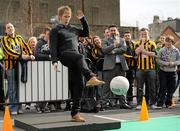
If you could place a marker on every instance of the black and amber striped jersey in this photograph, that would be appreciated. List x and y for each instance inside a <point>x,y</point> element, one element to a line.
<point>130,55</point>
<point>13,49</point>
<point>145,62</point>
<point>97,53</point>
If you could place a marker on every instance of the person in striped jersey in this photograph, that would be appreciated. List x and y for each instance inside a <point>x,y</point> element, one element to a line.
<point>145,51</point>
<point>131,60</point>
<point>15,49</point>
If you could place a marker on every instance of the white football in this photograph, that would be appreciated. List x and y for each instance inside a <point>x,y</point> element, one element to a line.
<point>119,85</point>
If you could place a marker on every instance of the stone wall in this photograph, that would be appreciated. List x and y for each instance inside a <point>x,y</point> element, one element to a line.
<point>30,16</point>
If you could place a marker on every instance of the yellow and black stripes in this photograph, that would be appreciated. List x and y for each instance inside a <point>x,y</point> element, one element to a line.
<point>146,62</point>
<point>7,44</point>
<point>13,48</point>
<point>130,55</point>
<point>97,53</point>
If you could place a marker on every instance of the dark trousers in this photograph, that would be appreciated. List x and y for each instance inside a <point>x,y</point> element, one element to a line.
<point>149,77</point>
<point>76,61</point>
<point>78,68</point>
<point>167,87</point>
<point>130,76</point>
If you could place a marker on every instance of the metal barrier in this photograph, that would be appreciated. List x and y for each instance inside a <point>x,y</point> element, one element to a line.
<point>43,83</point>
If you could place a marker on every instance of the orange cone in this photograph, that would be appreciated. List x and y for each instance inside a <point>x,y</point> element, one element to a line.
<point>173,103</point>
<point>7,123</point>
<point>144,112</point>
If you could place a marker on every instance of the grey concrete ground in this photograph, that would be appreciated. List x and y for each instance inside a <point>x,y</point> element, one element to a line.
<point>115,114</point>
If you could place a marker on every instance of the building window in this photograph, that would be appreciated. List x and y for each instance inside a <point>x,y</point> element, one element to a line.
<point>95,15</point>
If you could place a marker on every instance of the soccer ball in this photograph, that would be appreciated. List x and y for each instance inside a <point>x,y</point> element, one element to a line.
<point>119,85</point>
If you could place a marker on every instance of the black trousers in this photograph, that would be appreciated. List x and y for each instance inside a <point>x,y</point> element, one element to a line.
<point>167,87</point>
<point>130,76</point>
<point>78,68</point>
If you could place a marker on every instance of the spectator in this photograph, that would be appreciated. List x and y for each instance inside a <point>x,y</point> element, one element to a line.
<point>15,49</point>
<point>42,51</point>
<point>114,65</point>
<point>168,59</point>
<point>131,61</point>
<point>106,34</point>
<point>32,42</point>
<point>145,50</point>
<point>97,52</point>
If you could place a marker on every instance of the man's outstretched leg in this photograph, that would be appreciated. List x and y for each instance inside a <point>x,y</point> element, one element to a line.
<point>72,59</point>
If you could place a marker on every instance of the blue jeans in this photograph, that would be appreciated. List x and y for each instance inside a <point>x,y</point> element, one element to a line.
<point>12,78</point>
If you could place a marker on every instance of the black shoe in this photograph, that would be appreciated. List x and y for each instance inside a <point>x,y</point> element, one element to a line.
<point>126,106</point>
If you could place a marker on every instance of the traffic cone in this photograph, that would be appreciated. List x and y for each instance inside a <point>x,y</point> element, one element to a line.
<point>7,123</point>
<point>144,112</point>
<point>173,103</point>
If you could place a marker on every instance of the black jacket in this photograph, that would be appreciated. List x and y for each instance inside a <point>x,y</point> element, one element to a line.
<point>39,54</point>
<point>65,38</point>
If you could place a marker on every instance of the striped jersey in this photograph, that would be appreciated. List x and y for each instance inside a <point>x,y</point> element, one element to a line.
<point>145,62</point>
<point>130,55</point>
<point>13,49</point>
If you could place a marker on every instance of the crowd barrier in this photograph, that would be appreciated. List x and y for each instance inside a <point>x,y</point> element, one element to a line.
<point>43,83</point>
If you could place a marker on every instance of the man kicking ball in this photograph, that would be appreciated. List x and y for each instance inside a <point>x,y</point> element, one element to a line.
<point>64,47</point>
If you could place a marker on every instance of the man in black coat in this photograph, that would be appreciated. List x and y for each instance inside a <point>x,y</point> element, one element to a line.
<point>64,47</point>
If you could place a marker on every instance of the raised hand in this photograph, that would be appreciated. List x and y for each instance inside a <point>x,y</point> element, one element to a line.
<point>80,14</point>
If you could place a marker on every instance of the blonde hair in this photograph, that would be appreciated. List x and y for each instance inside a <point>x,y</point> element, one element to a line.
<point>62,9</point>
<point>32,38</point>
<point>29,44</point>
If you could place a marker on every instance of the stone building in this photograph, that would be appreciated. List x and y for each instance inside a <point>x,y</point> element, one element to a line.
<point>30,16</point>
<point>158,26</point>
